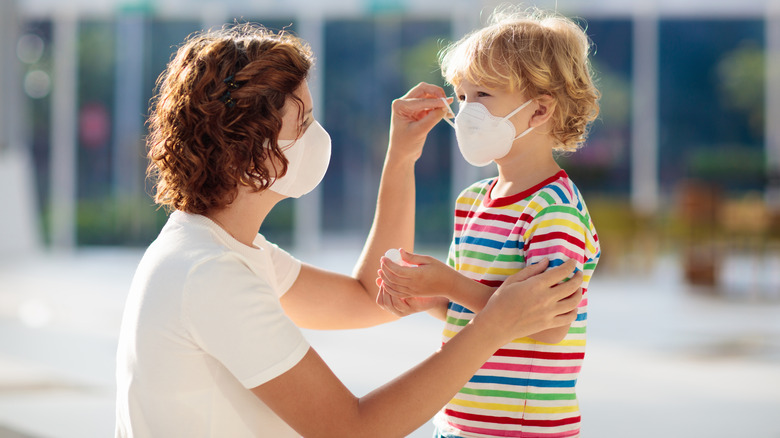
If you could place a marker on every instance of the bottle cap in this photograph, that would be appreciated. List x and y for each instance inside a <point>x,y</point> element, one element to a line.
<point>394,255</point>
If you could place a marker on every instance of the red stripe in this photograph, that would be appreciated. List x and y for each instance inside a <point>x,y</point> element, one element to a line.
<point>549,355</point>
<point>556,235</point>
<point>487,216</point>
<point>510,420</point>
<point>553,423</point>
<point>492,283</point>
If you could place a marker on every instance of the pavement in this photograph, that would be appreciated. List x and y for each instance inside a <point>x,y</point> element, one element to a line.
<point>663,359</point>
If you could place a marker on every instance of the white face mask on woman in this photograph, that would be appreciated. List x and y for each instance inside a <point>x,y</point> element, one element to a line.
<point>483,137</point>
<point>308,158</point>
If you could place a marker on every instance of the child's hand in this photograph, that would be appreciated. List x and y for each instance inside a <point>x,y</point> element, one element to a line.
<point>429,277</point>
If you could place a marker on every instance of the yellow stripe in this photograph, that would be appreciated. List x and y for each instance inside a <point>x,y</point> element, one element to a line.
<point>574,226</point>
<point>535,205</point>
<point>472,268</point>
<point>529,341</point>
<point>514,408</point>
<point>501,271</point>
<point>465,200</point>
<point>564,343</point>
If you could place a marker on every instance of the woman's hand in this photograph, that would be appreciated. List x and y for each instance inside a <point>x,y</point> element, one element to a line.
<point>406,306</point>
<point>413,116</point>
<point>522,307</point>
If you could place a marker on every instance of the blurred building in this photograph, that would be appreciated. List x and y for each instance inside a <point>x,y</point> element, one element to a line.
<point>691,93</point>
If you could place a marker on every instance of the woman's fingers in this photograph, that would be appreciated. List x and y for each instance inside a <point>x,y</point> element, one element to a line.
<point>565,290</point>
<point>424,89</point>
<point>558,274</point>
<point>568,308</point>
<point>424,110</point>
<point>396,306</point>
<point>528,271</point>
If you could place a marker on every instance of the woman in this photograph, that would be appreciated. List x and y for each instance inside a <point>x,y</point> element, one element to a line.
<point>210,342</point>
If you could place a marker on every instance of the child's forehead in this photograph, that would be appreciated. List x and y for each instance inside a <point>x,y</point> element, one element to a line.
<point>482,83</point>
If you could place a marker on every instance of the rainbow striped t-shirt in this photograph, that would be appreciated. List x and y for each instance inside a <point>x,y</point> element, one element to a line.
<point>527,389</point>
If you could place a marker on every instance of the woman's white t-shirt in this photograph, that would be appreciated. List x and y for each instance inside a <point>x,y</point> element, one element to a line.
<point>202,324</point>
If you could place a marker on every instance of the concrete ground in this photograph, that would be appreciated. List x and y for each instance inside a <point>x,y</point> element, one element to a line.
<point>663,360</point>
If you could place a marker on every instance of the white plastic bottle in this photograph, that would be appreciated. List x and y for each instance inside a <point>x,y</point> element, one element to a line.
<point>395,255</point>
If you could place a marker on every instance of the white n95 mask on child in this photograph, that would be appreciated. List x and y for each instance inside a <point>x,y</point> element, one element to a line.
<point>307,160</point>
<point>483,137</point>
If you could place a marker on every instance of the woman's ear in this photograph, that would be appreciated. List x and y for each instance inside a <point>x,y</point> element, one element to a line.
<point>544,111</point>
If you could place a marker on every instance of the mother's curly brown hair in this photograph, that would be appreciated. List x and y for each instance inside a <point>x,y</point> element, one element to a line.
<point>203,146</point>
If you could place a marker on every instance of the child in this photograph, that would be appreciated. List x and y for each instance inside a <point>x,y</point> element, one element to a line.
<point>525,90</point>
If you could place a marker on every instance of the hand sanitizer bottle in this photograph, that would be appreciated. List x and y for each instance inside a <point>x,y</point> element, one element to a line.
<point>395,255</point>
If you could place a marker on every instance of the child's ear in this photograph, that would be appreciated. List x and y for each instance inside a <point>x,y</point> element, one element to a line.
<point>544,110</point>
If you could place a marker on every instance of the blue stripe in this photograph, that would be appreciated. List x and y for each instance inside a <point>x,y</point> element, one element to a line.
<point>555,262</point>
<point>514,244</point>
<point>455,307</point>
<point>558,191</point>
<point>582,316</point>
<point>482,242</point>
<point>498,380</point>
<point>578,196</point>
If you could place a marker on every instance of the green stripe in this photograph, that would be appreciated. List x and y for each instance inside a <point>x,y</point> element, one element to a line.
<point>485,257</point>
<point>579,330</point>
<point>456,321</point>
<point>477,189</point>
<point>546,196</point>
<point>476,255</point>
<point>516,395</point>
<point>567,209</point>
<point>511,258</point>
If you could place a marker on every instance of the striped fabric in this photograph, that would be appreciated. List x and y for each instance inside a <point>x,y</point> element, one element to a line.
<point>527,389</point>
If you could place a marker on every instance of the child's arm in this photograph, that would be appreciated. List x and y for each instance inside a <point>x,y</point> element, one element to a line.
<point>559,233</point>
<point>430,278</point>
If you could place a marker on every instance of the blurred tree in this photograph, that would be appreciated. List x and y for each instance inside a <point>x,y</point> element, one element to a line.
<point>419,63</point>
<point>742,74</point>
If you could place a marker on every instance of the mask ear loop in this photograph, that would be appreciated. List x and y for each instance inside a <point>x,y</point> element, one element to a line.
<point>446,118</point>
<point>530,128</point>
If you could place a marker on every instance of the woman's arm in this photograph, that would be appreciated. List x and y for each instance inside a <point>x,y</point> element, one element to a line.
<point>413,116</point>
<point>311,399</point>
<point>325,300</point>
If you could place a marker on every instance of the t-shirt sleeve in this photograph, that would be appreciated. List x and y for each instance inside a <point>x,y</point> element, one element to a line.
<point>560,233</point>
<point>287,268</point>
<point>236,317</point>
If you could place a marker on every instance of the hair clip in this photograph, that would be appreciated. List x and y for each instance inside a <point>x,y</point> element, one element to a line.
<point>227,100</point>
<point>231,83</point>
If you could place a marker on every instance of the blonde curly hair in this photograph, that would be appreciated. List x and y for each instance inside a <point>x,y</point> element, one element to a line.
<point>538,53</point>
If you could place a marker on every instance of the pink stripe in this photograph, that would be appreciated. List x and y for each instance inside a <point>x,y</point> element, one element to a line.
<point>557,249</point>
<point>483,228</point>
<point>584,301</point>
<point>517,433</point>
<point>529,368</point>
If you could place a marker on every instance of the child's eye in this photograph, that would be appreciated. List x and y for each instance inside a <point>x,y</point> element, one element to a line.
<point>461,97</point>
<point>482,94</point>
